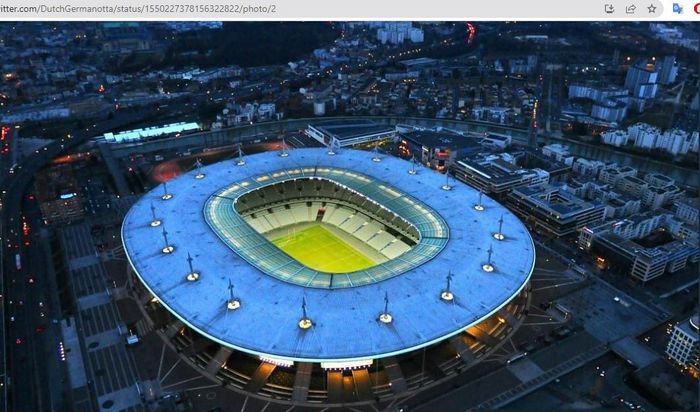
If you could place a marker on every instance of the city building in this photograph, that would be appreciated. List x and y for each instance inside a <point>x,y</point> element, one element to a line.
<point>658,180</point>
<point>552,210</point>
<point>683,347</point>
<point>35,114</point>
<point>587,168</point>
<point>610,110</point>
<point>399,31</point>
<point>349,132</point>
<point>558,152</point>
<point>643,135</point>
<point>609,103</point>
<point>437,149</point>
<point>620,242</point>
<point>58,195</point>
<point>674,141</point>
<point>615,138</point>
<point>632,186</point>
<point>641,80</point>
<point>621,206</point>
<point>668,69</point>
<point>496,174</point>
<point>235,114</point>
<point>154,132</point>
<point>658,197</point>
<point>686,209</point>
<point>613,173</point>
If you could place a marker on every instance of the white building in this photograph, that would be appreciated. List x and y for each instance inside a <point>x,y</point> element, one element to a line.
<point>612,174</point>
<point>319,108</point>
<point>632,186</point>
<point>396,32</point>
<point>614,137</point>
<point>587,167</point>
<point>36,115</point>
<point>674,141</point>
<point>658,180</point>
<point>558,152</point>
<point>416,35</point>
<point>683,347</point>
<point>643,135</point>
<point>686,209</point>
<point>657,197</point>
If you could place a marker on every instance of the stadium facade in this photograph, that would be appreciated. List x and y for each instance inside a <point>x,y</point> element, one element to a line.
<point>314,277</point>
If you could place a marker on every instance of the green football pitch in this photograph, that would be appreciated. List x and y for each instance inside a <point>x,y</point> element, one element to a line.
<point>318,248</point>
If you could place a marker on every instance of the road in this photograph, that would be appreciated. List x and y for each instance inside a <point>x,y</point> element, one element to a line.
<point>25,387</point>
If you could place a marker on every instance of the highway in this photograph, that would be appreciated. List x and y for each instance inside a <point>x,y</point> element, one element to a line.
<point>28,352</point>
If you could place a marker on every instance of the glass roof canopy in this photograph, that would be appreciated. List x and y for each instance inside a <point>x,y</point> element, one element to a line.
<point>253,247</point>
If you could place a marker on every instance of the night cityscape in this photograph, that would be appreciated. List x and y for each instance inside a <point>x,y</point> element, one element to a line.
<point>349,216</point>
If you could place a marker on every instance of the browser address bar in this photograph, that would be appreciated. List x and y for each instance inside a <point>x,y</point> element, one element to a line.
<point>344,10</point>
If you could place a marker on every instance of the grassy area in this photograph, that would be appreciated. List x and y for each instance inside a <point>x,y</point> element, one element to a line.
<point>319,249</point>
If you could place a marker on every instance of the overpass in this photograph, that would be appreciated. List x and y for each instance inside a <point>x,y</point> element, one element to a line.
<point>224,137</point>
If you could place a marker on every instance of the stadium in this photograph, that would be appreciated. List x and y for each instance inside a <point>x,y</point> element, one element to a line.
<point>318,277</point>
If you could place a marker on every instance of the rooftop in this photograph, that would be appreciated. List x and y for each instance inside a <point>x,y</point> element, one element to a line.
<point>435,139</point>
<point>345,325</point>
<point>350,129</point>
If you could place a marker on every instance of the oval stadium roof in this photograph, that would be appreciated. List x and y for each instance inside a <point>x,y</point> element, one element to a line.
<point>345,320</point>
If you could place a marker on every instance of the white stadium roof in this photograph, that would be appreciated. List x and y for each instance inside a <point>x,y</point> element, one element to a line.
<point>345,319</point>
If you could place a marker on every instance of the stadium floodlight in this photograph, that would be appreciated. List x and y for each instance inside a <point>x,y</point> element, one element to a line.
<point>198,165</point>
<point>385,317</point>
<point>412,170</point>
<point>447,294</point>
<point>479,206</point>
<point>488,266</point>
<point>375,157</point>
<point>305,322</point>
<point>284,151</point>
<point>166,195</point>
<point>192,275</point>
<point>240,161</point>
<point>167,248</point>
<point>499,235</point>
<point>233,303</point>
<point>155,222</point>
<point>446,186</point>
<point>333,147</point>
